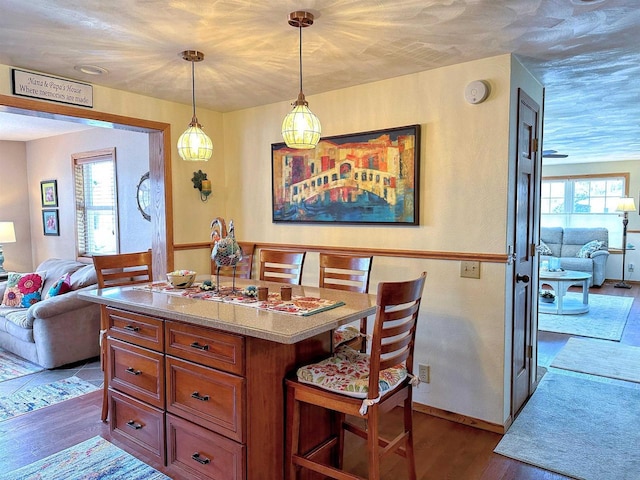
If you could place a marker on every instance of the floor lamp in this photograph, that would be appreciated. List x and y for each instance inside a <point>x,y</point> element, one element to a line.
<point>625,205</point>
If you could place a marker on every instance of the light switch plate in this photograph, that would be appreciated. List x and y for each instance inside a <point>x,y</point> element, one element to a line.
<point>470,269</point>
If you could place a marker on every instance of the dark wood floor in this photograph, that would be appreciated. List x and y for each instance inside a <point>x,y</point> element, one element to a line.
<point>445,450</point>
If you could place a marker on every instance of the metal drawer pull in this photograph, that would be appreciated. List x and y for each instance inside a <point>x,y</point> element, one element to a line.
<point>131,328</point>
<point>203,460</point>
<point>200,347</point>
<point>134,425</point>
<point>132,371</point>
<point>202,398</point>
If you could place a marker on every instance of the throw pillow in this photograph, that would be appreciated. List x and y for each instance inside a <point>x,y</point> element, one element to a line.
<point>63,285</point>
<point>588,248</point>
<point>23,289</point>
<point>544,249</point>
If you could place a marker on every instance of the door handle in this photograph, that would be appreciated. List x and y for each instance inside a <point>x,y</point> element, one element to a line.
<point>522,278</point>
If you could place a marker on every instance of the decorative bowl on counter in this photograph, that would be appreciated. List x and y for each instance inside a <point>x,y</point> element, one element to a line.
<point>181,278</point>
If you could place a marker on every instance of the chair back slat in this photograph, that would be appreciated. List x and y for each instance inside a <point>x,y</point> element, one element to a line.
<point>123,269</point>
<point>243,268</point>
<point>345,272</point>
<point>397,302</point>
<point>281,266</point>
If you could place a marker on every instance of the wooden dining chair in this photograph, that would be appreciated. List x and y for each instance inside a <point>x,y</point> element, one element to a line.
<point>115,271</point>
<point>243,267</point>
<point>281,266</point>
<point>363,387</point>
<point>350,273</point>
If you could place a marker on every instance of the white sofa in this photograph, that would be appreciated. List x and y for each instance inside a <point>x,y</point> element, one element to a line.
<point>565,243</point>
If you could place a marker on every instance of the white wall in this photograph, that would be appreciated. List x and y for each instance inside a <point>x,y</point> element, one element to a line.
<point>14,205</point>
<point>50,159</point>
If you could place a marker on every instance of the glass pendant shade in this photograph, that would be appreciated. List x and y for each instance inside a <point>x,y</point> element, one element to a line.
<point>194,145</point>
<point>301,128</point>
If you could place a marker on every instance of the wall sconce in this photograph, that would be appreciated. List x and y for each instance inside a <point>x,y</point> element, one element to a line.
<point>201,183</point>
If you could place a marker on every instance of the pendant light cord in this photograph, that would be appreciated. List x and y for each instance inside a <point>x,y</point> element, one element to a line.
<point>193,87</point>
<point>300,28</point>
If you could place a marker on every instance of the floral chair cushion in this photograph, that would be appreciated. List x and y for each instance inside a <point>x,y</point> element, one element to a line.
<point>347,373</point>
<point>23,289</point>
<point>344,334</point>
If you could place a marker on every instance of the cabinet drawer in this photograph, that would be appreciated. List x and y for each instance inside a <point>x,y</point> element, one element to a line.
<point>138,424</point>
<point>209,347</point>
<point>199,452</point>
<point>138,329</point>
<point>137,371</point>
<point>207,397</point>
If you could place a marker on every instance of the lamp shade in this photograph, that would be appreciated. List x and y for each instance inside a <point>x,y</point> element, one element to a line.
<point>194,145</point>
<point>301,128</point>
<point>626,204</point>
<point>7,232</point>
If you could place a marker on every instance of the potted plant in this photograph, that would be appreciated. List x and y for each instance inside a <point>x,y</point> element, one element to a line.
<point>547,296</point>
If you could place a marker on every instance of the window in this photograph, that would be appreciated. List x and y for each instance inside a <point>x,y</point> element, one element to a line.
<point>96,202</point>
<point>584,201</point>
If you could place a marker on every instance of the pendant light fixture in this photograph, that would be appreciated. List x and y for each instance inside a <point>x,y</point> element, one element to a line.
<point>193,144</point>
<point>301,128</point>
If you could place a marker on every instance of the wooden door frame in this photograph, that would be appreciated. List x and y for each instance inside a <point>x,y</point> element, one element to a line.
<point>159,162</point>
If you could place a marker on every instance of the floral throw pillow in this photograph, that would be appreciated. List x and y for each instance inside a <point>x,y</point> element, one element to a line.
<point>23,289</point>
<point>588,248</point>
<point>63,285</point>
<point>544,249</point>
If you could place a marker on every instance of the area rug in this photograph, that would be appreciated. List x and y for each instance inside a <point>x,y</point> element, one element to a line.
<point>12,366</point>
<point>30,399</point>
<point>600,357</point>
<point>605,319</point>
<point>580,428</point>
<point>94,459</point>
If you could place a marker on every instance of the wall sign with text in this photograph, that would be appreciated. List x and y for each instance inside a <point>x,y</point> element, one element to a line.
<point>46,87</point>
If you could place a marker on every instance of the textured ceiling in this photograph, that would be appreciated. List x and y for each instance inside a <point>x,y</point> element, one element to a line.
<point>585,52</point>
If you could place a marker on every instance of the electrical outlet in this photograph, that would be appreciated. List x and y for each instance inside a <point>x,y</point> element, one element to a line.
<point>631,267</point>
<point>424,373</point>
<point>470,269</point>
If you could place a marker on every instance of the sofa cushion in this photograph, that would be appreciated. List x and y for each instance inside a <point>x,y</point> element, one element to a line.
<point>56,268</point>
<point>22,334</point>
<point>544,249</point>
<point>588,248</point>
<point>23,289</point>
<point>553,236</point>
<point>62,286</point>
<point>84,277</point>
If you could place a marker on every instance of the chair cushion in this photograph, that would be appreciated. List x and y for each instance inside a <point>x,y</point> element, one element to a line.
<point>344,334</point>
<point>347,373</point>
<point>23,289</point>
<point>589,247</point>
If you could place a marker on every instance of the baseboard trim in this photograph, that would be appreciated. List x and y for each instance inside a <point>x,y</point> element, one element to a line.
<point>458,418</point>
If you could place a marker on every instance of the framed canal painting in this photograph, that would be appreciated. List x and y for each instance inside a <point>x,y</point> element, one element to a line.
<point>361,178</point>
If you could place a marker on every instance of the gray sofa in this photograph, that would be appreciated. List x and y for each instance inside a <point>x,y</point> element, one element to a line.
<point>59,330</point>
<point>565,243</point>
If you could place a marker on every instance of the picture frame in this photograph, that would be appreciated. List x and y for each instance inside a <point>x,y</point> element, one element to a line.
<point>51,222</point>
<point>361,178</point>
<point>49,193</point>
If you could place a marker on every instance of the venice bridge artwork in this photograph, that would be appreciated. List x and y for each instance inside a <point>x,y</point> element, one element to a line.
<point>366,178</point>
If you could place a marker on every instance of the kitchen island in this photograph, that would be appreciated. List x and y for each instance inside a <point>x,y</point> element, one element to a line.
<point>197,384</point>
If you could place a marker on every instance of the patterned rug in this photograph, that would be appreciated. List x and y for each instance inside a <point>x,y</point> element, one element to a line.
<point>600,357</point>
<point>605,319</point>
<point>578,427</point>
<point>12,366</point>
<point>94,459</point>
<point>30,399</point>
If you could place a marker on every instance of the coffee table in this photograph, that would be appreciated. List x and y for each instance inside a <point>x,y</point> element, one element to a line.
<point>560,282</point>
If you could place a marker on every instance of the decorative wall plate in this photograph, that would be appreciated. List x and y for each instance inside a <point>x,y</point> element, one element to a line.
<point>144,196</point>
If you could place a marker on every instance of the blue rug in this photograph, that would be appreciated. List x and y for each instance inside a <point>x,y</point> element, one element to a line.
<point>30,399</point>
<point>582,428</point>
<point>93,459</point>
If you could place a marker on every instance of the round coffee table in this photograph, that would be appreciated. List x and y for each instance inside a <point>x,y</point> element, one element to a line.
<point>560,282</point>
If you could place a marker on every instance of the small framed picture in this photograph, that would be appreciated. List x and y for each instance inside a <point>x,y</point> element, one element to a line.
<point>49,193</point>
<point>50,223</point>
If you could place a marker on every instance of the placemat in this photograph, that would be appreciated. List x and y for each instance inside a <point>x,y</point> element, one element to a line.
<point>298,305</point>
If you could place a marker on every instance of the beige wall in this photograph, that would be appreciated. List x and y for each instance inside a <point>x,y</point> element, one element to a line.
<point>13,207</point>
<point>464,197</point>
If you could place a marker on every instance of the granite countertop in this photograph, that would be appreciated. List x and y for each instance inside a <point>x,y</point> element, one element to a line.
<point>244,320</point>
